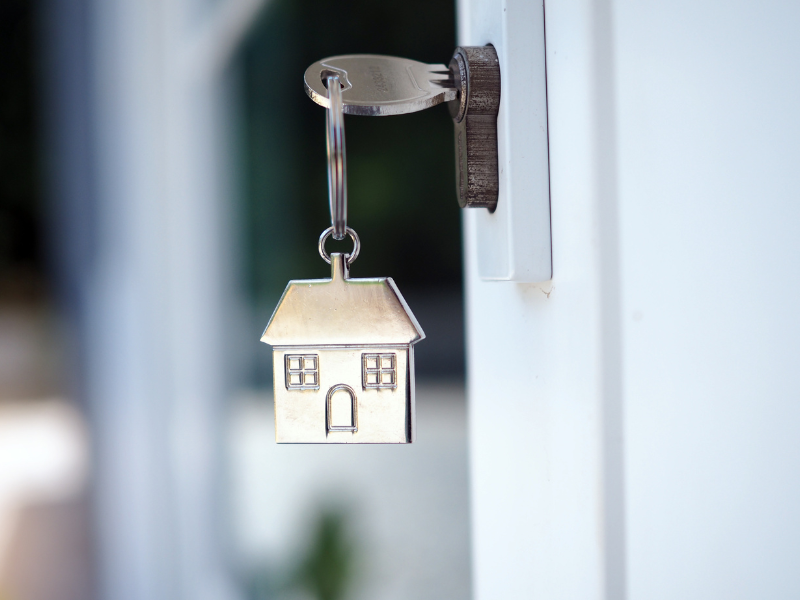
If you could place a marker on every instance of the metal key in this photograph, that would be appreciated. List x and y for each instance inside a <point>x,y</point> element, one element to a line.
<point>375,85</point>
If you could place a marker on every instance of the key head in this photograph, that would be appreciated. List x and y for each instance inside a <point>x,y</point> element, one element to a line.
<point>377,85</point>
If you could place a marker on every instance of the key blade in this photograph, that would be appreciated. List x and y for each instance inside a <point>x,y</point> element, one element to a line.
<point>376,85</point>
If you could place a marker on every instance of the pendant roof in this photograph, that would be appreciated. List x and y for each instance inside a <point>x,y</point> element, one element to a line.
<point>321,312</point>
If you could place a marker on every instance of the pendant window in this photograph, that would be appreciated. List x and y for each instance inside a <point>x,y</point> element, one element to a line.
<point>302,372</point>
<point>379,371</point>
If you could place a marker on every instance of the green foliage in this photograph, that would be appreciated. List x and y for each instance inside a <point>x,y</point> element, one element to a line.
<point>327,571</point>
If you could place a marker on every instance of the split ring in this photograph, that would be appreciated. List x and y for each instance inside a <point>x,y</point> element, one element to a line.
<point>337,163</point>
<point>349,258</point>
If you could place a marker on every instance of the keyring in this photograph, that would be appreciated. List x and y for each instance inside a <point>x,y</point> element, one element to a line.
<point>349,258</point>
<point>337,164</point>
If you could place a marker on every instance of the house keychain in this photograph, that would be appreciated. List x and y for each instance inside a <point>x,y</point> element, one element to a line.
<point>342,349</point>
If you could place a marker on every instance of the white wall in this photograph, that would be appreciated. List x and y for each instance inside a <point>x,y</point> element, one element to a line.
<point>635,421</point>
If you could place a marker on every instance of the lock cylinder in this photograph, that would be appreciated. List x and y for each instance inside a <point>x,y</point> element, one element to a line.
<point>475,71</point>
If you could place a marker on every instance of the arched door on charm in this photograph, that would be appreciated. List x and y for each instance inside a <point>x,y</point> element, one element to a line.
<point>341,408</point>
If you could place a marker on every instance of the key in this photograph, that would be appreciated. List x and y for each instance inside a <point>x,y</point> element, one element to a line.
<point>376,85</point>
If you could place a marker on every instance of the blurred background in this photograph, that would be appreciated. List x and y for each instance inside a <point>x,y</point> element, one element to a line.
<point>162,176</point>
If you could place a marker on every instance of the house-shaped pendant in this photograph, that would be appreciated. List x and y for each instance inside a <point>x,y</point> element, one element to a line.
<point>343,361</point>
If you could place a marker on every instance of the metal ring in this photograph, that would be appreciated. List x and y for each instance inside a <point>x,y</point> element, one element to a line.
<point>348,257</point>
<point>337,163</point>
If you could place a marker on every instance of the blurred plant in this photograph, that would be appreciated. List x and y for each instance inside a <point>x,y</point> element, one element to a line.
<point>327,570</point>
<point>324,571</point>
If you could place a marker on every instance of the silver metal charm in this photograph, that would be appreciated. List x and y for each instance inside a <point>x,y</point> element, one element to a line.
<point>343,358</point>
<point>342,349</point>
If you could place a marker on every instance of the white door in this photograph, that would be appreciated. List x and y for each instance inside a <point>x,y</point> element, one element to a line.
<point>635,421</point>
